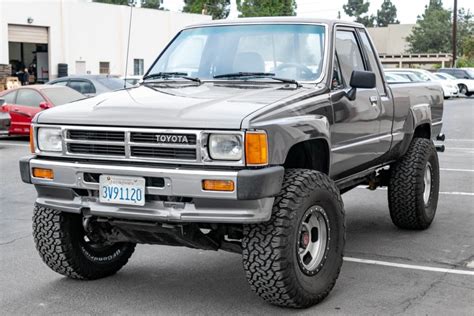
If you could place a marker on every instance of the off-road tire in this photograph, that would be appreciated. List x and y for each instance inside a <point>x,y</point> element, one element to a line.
<point>59,239</point>
<point>270,252</point>
<point>406,186</point>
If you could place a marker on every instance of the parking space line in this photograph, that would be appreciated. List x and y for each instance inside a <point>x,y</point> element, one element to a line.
<point>456,170</point>
<point>446,193</point>
<point>14,144</point>
<point>408,266</point>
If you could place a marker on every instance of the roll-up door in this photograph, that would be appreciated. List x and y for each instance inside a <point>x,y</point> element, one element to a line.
<point>27,34</point>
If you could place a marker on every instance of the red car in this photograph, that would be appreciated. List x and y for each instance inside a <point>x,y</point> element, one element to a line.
<point>24,102</point>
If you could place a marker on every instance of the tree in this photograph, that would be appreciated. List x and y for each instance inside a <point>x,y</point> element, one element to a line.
<point>121,2</point>
<point>149,4</point>
<point>219,9</point>
<point>253,8</point>
<point>387,14</point>
<point>152,4</point>
<point>432,32</point>
<point>356,9</point>
<point>465,36</point>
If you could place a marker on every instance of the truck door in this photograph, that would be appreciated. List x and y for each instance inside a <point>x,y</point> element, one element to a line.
<point>356,134</point>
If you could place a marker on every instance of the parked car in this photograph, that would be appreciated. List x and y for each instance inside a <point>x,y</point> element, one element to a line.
<point>410,77</point>
<point>91,85</point>
<point>450,89</point>
<point>247,151</point>
<point>133,80</point>
<point>24,102</point>
<point>395,78</point>
<point>5,121</point>
<point>466,86</point>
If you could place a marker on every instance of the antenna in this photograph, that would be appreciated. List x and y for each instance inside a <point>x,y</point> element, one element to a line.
<point>131,3</point>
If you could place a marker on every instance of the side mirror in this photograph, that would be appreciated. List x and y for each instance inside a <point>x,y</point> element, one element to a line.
<point>361,80</point>
<point>2,102</point>
<point>45,105</point>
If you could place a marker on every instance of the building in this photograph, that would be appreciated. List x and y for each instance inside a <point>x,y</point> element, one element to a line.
<point>91,38</point>
<point>392,47</point>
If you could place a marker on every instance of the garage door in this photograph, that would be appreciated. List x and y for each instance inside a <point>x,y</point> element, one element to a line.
<point>27,34</point>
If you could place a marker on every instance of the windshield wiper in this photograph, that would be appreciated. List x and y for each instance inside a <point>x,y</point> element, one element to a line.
<point>257,75</point>
<point>168,75</point>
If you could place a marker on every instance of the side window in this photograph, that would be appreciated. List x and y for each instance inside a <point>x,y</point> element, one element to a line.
<point>9,97</point>
<point>348,53</point>
<point>29,97</point>
<point>82,86</point>
<point>459,74</point>
<point>374,67</point>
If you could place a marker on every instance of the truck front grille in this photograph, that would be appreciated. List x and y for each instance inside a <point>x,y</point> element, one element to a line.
<point>110,136</point>
<point>162,152</point>
<point>133,144</point>
<point>96,149</point>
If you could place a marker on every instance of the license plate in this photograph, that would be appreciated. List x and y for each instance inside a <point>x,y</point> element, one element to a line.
<point>122,190</point>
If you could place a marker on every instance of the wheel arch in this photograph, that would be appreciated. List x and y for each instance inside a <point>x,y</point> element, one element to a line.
<point>311,154</point>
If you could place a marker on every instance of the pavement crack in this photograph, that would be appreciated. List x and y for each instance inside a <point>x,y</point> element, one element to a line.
<point>13,240</point>
<point>409,302</point>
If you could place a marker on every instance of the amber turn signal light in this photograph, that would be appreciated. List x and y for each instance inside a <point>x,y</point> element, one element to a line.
<point>256,148</point>
<point>43,173</point>
<point>218,185</point>
<point>32,140</point>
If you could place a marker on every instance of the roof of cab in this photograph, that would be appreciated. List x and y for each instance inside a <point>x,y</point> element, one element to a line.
<point>269,20</point>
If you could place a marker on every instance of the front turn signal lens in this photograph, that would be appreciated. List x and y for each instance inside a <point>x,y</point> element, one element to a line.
<point>256,148</point>
<point>43,173</point>
<point>32,140</point>
<point>218,185</point>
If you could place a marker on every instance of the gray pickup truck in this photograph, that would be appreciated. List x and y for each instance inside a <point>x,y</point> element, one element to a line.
<point>242,137</point>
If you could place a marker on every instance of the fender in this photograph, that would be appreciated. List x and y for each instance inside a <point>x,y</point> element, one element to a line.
<point>284,133</point>
<point>417,115</point>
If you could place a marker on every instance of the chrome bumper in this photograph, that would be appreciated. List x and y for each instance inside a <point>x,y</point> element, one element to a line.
<point>250,202</point>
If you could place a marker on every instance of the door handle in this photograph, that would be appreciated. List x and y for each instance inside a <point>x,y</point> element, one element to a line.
<point>374,100</point>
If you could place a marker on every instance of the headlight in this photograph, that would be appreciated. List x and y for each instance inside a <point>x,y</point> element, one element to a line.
<point>49,139</point>
<point>225,147</point>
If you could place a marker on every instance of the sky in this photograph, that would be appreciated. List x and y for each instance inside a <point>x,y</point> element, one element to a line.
<point>407,10</point>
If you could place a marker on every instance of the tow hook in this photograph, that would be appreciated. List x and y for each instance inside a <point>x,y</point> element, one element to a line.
<point>440,148</point>
<point>441,137</point>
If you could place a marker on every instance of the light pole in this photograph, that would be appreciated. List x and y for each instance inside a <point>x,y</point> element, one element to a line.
<point>455,27</point>
<point>131,3</point>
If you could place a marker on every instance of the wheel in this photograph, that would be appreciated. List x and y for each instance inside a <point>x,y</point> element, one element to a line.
<point>294,259</point>
<point>463,89</point>
<point>64,247</point>
<point>414,186</point>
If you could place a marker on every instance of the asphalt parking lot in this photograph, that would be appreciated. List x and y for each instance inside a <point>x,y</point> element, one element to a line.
<point>386,271</point>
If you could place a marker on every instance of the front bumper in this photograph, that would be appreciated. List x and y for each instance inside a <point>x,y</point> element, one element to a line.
<point>250,202</point>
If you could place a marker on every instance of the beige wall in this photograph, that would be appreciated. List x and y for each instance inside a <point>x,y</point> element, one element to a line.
<point>391,39</point>
<point>94,32</point>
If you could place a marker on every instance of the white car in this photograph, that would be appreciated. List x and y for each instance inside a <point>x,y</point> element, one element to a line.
<point>466,86</point>
<point>395,78</point>
<point>450,89</point>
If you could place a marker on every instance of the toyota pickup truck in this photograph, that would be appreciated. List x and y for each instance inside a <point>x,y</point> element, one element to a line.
<point>242,137</point>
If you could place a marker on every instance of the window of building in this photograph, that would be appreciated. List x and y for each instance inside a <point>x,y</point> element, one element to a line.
<point>104,68</point>
<point>138,67</point>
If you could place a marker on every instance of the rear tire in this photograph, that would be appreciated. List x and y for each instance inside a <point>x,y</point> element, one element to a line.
<point>307,218</point>
<point>62,244</point>
<point>414,186</point>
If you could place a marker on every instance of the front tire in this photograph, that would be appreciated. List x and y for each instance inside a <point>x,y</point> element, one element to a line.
<point>294,259</point>
<point>414,186</point>
<point>463,90</point>
<point>64,247</point>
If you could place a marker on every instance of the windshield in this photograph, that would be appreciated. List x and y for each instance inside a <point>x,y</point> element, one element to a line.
<point>113,83</point>
<point>286,51</point>
<point>62,95</point>
<point>470,72</point>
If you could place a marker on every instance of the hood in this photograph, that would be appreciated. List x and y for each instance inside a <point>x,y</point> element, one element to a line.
<point>210,105</point>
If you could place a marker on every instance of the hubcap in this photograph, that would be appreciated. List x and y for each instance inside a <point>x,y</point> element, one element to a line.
<point>313,240</point>
<point>427,184</point>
